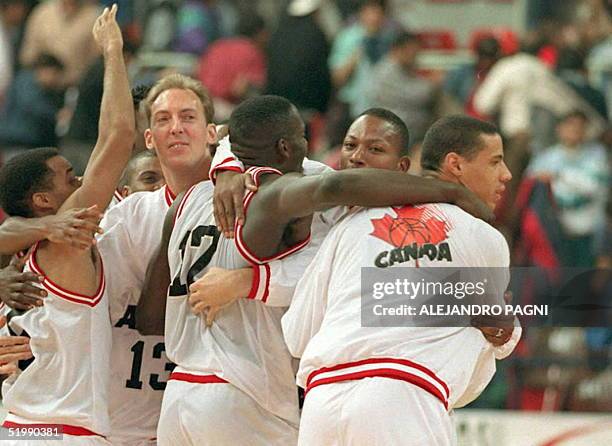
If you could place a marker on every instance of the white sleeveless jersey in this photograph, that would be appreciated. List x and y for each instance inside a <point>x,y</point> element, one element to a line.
<point>67,382</point>
<point>323,324</point>
<point>244,346</point>
<point>139,366</point>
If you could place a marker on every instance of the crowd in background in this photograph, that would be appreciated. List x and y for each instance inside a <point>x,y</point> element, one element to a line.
<point>549,89</point>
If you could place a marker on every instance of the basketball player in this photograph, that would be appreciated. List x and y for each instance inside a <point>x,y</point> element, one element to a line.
<point>404,381</point>
<point>377,139</point>
<point>180,113</point>
<point>237,373</point>
<point>142,174</point>
<point>73,350</point>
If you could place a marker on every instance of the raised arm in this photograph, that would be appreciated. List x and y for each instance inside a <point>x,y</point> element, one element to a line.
<point>151,308</point>
<point>116,126</point>
<point>74,227</point>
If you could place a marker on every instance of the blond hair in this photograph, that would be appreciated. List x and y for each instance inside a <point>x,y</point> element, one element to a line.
<point>180,82</point>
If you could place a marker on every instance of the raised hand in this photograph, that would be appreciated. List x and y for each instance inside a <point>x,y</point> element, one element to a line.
<point>106,31</point>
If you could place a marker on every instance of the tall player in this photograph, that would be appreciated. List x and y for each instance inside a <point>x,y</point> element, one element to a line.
<point>70,334</point>
<point>403,380</point>
<point>237,373</point>
<point>179,113</point>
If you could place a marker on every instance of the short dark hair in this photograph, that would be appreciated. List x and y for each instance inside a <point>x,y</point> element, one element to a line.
<point>260,121</point>
<point>396,122</point>
<point>22,176</point>
<point>364,3</point>
<point>46,60</point>
<point>404,37</point>
<point>574,114</point>
<point>458,133</point>
<point>249,24</point>
<point>129,169</point>
<point>139,94</point>
<point>488,47</point>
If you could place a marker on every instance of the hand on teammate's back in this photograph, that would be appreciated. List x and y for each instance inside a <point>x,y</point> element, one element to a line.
<point>12,349</point>
<point>106,31</point>
<point>76,227</point>
<point>470,203</point>
<point>228,197</point>
<point>18,290</point>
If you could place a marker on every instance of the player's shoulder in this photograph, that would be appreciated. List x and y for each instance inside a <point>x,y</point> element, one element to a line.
<point>466,222</point>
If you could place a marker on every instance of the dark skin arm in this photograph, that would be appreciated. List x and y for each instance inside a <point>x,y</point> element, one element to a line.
<point>17,289</point>
<point>73,227</point>
<point>151,308</point>
<point>283,199</point>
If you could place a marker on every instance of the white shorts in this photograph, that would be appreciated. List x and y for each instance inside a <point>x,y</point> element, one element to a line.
<point>374,411</point>
<point>218,414</point>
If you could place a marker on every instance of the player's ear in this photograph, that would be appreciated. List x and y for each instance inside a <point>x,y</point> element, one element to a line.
<point>453,164</point>
<point>148,136</point>
<point>404,164</point>
<point>125,191</point>
<point>42,201</point>
<point>211,134</point>
<point>282,147</point>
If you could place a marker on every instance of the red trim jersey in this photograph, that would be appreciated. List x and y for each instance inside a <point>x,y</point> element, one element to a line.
<point>323,325</point>
<point>244,346</point>
<point>139,366</point>
<point>67,382</point>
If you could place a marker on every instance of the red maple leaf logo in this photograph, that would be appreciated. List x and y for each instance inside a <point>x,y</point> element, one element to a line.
<point>411,225</point>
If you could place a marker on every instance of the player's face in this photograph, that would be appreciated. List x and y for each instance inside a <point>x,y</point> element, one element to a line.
<point>178,131</point>
<point>372,142</point>
<point>146,176</point>
<point>63,182</point>
<point>486,173</point>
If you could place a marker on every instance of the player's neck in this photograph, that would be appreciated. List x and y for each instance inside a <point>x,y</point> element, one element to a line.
<point>178,182</point>
<point>440,175</point>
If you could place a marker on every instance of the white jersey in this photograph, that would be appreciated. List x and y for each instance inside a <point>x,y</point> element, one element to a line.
<point>244,346</point>
<point>139,366</point>
<point>67,382</point>
<point>323,324</point>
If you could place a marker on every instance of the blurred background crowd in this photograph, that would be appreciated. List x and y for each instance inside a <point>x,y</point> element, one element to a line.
<point>546,80</point>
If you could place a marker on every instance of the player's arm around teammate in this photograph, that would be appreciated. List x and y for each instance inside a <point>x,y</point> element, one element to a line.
<point>73,227</point>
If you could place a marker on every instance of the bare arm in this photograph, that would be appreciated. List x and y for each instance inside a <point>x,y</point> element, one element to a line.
<point>74,227</point>
<point>116,125</point>
<point>151,308</point>
<point>290,197</point>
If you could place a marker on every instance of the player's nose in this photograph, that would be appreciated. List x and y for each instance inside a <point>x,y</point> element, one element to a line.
<point>506,175</point>
<point>357,158</point>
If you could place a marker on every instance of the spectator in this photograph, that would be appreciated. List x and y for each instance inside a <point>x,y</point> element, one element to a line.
<point>34,98</point>
<point>62,28</point>
<point>571,68</point>
<point>462,82</point>
<point>235,68</point>
<point>12,16</point>
<point>297,59</point>
<point>355,51</point>
<point>580,180</point>
<point>395,85</point>
<point>198,25</point>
